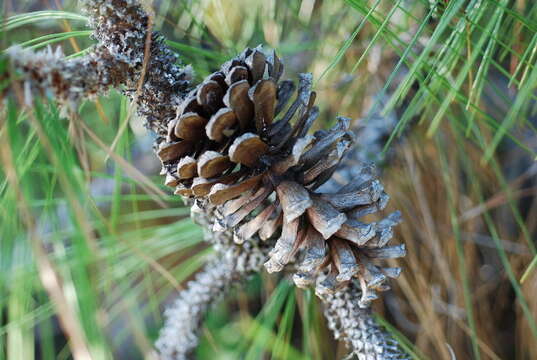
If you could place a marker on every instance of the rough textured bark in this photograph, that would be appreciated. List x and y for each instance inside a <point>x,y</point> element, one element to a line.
<point>357,327</point>
<point>184,318</point>
<point>128,55</point>
<point>229,267</point>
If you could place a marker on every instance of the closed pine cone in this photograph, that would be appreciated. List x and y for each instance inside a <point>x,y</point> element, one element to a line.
<point>238,147</point>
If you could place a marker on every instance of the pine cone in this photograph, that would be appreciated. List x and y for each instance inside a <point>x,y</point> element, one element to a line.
<point>226,150</point>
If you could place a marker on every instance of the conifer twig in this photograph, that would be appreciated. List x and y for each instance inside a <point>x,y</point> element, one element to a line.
<point>184,318</point>
<point>228,267</point>
<point>357,327</point>
<point>130,56</point>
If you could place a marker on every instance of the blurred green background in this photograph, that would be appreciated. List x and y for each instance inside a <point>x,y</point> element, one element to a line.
<point>89,235</point>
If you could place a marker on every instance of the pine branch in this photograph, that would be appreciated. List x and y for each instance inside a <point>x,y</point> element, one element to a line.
<point>357,327</point>
<point>281,171</point>
<point>68,81</point>
<point>184,318</point>
<point>229,267</point>
<point>128,55</point>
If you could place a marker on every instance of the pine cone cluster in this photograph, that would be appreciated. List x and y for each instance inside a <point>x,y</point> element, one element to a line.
<point>240,145</point>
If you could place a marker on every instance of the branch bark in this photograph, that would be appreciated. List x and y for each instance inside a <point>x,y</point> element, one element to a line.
<point>357,327</point>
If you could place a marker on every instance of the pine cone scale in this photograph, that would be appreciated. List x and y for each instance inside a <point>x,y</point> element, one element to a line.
<point>220,194</point>
<point>263,96</point>
<point>238,100</point>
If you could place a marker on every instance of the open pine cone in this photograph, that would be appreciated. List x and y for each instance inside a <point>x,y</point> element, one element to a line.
<point>238,147</point>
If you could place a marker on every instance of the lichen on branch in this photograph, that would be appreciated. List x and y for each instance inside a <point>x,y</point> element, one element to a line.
<point>128,55</point>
